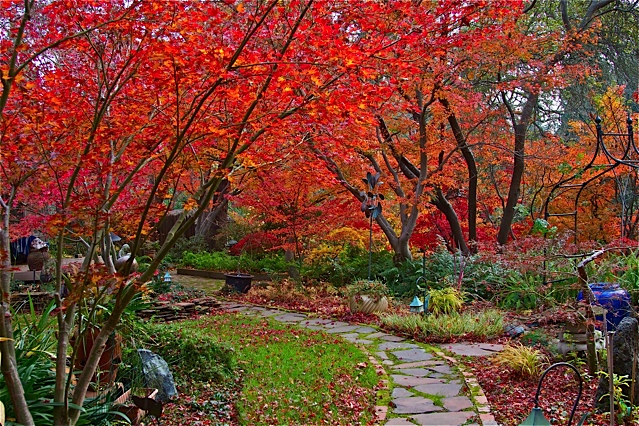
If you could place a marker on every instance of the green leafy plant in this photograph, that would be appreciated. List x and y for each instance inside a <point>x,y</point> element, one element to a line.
<point>371,288</point>
<point>526,361</point>
<point>630,277</point>
<point>35,340</point>
<point>445,301</point>
<point>521,291</point>
<point>623,407</point>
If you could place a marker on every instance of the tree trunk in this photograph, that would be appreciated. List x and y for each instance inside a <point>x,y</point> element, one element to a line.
<point>209,223</point>
<point>451,216</point>
<point>471,166</point>
<point>9,364</point>
<point>518,167</point>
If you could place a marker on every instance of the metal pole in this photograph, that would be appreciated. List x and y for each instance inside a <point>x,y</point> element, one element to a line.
<point>370,247</point>
<point>611,374</point>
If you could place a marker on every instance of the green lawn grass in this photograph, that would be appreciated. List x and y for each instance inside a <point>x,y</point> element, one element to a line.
<point>291,375</point>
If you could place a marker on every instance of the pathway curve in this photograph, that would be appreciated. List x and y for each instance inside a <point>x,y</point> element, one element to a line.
<point>429,387</point>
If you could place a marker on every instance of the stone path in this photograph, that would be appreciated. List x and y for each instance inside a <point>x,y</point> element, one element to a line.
<point>428,387</point>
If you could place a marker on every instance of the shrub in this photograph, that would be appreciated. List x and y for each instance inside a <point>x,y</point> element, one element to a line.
<point>196,353</point>
<point>478,280</point>
<point>524,360</point>
<point>445,301</point>
<point>350,264</point>
<point>222,261</point>
<point>194,244</point>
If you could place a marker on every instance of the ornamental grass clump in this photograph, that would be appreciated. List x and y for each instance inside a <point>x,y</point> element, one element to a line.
<point>445,301</point>
<point>524,360</point>
<point>446,327</point>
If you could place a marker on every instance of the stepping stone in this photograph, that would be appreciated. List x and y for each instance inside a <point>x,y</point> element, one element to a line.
<point>290,318</point>
<point>316,321</point>
<point>381,355</point>
<point>474,349</point>
<point>412,381</point>
<point>444,419</point>
<point>414,405</point>
<point>396,345</point>
<point>377,335</point>
<point>399,421</point>
<point>388,362</point>
<point>342,329</point>
<point>313,327</point>
<point>358,341</point>
<point>444,369</point>
<point>401,393</point>
<point>417,372</point>
<point>334,324</point>
<point>444,389</point>
<point>419,364</point>
<point>365,329</point>
<point>270,313</point>
<point>457,403</point>
<point>391,338</point>
<point>413,355</point>
<point>350,336</point>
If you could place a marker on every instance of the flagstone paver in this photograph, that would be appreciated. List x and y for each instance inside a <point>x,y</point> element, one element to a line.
<point>401,393</point>
<point>414,405</point>
<point>444,419</point>
<point>342,329</point>
<point>399,421</point>
<point>413,355</point>
<point>417,372</point>
<point>396,345</point>
<point>391,338</point>
<point>290,317</point>
<point>441,389</point>
<point>473,349</point>
<point>412,381</point>
<point>457,403</point>
<point>417,377</point>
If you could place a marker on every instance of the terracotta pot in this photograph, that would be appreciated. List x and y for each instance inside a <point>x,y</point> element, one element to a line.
<point>129,409</point>
<point>109,362</point>
<point>368,304</point>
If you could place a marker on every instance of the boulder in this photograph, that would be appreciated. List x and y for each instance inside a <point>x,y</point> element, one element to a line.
<point>157,375</point>
<point>625,348</point>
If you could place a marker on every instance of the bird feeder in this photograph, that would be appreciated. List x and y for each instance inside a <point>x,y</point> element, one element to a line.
<point>416,306</point>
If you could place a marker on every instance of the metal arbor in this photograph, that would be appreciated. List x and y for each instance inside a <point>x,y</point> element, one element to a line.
<point>622,152</point>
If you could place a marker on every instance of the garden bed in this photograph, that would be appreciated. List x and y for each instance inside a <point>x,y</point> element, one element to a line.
<point>220,275</point>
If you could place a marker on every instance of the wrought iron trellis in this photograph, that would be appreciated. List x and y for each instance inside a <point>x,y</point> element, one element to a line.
<point>625,154</point>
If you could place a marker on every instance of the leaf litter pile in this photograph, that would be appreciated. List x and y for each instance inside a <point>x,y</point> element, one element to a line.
<point>511,396</point>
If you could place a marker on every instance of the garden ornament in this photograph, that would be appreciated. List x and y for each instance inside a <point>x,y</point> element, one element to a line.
<point>423,306</point>
<point>167,277</point>
<point>536,417</point>
<point>38,244</point>
<point>416,305</point>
